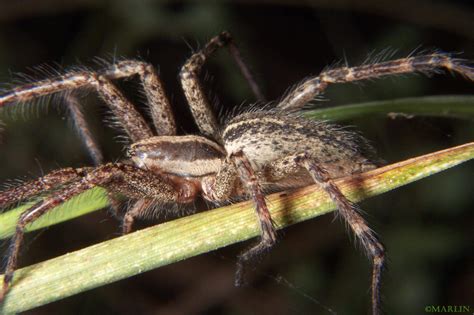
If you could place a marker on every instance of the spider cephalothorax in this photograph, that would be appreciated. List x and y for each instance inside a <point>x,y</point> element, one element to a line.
<point>262,150</point>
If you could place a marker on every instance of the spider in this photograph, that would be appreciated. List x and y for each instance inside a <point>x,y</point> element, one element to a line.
<point>265,149</point>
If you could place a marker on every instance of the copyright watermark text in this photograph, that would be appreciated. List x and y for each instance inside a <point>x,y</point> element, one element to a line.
<point>448,309</point>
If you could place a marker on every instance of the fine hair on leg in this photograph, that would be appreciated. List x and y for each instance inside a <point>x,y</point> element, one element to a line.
<point>348,211</point>
<point>306,91</point>
<point>120,178</point>
<point>268,233</point>
<point>193,89</point>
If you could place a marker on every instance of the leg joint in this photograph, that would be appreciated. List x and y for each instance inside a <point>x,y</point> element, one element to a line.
<point>225,38</point>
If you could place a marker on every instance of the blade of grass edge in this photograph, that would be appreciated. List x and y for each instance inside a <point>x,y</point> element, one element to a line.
<point>176,240</point>
<point>454,106</point>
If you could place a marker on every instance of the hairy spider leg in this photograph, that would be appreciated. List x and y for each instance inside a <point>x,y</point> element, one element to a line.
<point>367,237</point>
<point>158,102</point>
<point>138,208</point>
<point>75,109</point>
<point>235,53</point>
<point>306,91</point>
<point>234,169</point>
<point>267,230</point>
<point>160,107</point>
<point>128,116</point>
<point>193,90</point>
<point>43,184</point>
<point>123,178</point>
<point>372,246</point>
<point>222,186</point>
<point>132,122</point>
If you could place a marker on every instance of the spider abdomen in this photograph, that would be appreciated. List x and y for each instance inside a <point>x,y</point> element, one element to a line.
<point>267,137</point>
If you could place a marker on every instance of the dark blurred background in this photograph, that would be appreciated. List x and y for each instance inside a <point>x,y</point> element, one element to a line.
<point>426,226</point>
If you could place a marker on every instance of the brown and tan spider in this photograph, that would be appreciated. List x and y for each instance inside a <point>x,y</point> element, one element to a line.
<point>255,152</point>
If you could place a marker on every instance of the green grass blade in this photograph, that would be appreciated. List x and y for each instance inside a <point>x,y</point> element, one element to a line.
<point>192,235</point>
<point>456,106</point>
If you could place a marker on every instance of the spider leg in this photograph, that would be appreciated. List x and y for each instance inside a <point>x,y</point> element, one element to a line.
<point>82,126</point>
<point>235,53</point>
<point>221,186</point>
<point>128,116</point>
<point>139,207</point>
<point>193,90</point>
<point>130,180</point>
<point>312,87</point>
<point>46,183</point>
<point>91,144</point>
<point>373,247</point>
<point>61,176</point>
<point>267,230</point>
<point>160,107</point>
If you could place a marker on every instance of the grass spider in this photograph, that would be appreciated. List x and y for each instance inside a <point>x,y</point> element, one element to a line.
<point>265,149</point>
